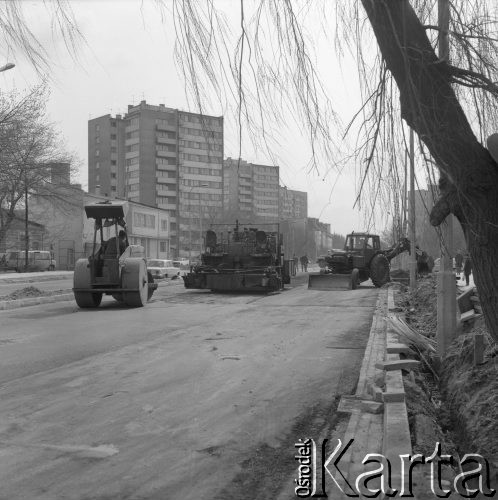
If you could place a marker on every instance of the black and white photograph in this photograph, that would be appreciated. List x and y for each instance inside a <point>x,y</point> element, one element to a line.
<point>248,249</point>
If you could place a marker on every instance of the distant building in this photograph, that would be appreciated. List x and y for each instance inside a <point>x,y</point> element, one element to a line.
<point>16,234</point>
<point>69,234</point>
<point>161,157</point>
<point>293,204</point>
<point>250,191</point>
<point>60,173</point>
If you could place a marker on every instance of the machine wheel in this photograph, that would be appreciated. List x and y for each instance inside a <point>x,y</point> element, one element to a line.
<point>274,284</point>
<point>134,275</point>
<point>88,299</point>
<point>355,279</point>
<point>82,279</point>
<point>379,270</point>
<point>150,279</point>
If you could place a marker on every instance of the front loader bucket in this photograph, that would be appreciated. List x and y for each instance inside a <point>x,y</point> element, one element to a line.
<point>330,282</point>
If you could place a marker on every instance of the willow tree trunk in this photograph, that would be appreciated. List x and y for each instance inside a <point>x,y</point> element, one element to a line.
<point>468,174</point>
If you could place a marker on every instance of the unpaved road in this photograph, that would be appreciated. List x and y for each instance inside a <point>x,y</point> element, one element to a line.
<point>196,396</point>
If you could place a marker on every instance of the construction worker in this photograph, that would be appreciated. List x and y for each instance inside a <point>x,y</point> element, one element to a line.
<point>110,248</point>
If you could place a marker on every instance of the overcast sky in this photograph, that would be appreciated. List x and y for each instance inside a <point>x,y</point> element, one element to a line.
<point>128,57</point>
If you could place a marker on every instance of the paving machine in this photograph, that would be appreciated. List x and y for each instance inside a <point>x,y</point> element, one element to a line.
<point>360,260</point>
<point>240,259</point>
<point>111,269</point>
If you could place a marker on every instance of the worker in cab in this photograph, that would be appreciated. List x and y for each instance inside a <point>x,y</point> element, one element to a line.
<point>111,247</point>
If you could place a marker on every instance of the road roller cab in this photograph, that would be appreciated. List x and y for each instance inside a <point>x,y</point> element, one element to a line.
<point>114,267</point>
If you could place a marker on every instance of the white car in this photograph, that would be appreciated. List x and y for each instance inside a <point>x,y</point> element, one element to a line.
<point>162,268</point>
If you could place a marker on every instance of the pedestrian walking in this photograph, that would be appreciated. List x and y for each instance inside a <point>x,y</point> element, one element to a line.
<point>458,263</point>
<point>467,268</point>
<point>296,264</point>
<point>304,263</point>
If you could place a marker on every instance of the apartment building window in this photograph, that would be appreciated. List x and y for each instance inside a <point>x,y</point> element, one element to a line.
<point>97,165</point>
<point>132,147</point>
<point>113,188</point>
<point>113,162</point>
<point>166,147</point>
<point>113,123</point>
<point>97,140</point>
<point>113,136</point>
<point>165,161</point>
<point>97,152</point>
<point>113,175</point>
<point>164,200</point>
<point>133,122</point>
<point>114,149</point>
<point>144,220</point>
<point>166,134</point>
<point>132,135</point>
<point>164,224</point>
<point>97,128</point>
<point>132,161</point>
<point>163,246</point>
<point>133,187</point>
<point>97,177</point>
<point>170,121</point>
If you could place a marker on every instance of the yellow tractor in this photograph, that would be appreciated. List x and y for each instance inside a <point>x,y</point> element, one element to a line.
<point>114,267</point>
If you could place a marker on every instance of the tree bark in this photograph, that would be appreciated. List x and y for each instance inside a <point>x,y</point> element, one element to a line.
<point>468,174</point>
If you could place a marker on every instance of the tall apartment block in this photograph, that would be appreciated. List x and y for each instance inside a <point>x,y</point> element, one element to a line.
<point>250,191</point>
<point>293,204</point>
<point>161,157</point>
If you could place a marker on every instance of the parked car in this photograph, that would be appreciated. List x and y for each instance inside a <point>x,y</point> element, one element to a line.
<point>183,265</point>
<point>162,268</point>
<point>38,260</point>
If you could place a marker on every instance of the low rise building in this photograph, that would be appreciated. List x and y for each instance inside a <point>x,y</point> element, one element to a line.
<point>69,234</point>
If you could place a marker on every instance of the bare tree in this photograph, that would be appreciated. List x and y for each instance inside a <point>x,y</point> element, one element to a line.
<point>29,149</point>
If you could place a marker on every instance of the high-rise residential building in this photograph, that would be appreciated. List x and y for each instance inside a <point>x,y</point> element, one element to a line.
<point>250,191</point>
<point>161,157</point>
<point>293,204</point>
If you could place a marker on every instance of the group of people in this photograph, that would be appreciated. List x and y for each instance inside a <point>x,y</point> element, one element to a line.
<point>463,260</point>
<point>304,263</point>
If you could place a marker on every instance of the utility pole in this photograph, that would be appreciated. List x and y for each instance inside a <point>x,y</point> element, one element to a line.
<point>413,255</point>
<point>446,291</point>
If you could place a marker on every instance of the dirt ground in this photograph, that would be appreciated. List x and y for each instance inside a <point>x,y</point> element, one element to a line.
<point>28,292</point>
<point>461,403</point>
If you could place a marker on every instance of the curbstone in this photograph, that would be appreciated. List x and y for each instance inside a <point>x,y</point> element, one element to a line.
<point>401,364</point>
<point>34,301</point>
<point>33,277</point>
<point>398,349</point>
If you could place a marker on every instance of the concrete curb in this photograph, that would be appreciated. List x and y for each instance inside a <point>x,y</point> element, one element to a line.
<point>34,277</point>
<point>34,301</point>
<point>388,432</point>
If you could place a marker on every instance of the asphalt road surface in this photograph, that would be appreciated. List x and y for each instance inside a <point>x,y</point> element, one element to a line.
<point>196,396</point>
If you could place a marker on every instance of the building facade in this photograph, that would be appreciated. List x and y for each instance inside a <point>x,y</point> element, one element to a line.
<point>69,234</point>
<point>250,191</point>
<point>161,157</point>
<point>293,204</point>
